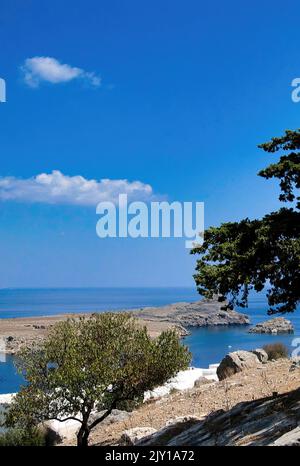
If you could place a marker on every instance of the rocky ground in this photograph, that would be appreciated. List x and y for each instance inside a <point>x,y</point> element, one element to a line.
<point>268,421</point>
<point>19,331</point>
<point>248,385</point>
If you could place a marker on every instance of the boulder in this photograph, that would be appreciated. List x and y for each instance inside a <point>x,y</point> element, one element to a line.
<point>261,355</point>
<point>56,432</point>
<point>54,436</point>
<point>273,326</point>
<point>236,362</point>
<point>201,381</point>
<point>132,436</point>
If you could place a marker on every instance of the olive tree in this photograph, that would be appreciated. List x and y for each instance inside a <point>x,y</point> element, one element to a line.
<point>86,368</point>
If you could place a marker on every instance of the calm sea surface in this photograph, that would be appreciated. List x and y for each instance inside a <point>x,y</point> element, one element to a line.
<point>208,345</point>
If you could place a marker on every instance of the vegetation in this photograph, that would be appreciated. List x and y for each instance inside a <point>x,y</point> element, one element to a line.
<point>90,366</point>
<point>239,256</point>
<point>22,437</point>
<point>276,350</point>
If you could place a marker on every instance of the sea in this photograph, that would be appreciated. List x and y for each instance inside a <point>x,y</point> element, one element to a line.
<point>207,345</point>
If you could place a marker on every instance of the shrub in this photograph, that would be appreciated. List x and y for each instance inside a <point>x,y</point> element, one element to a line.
<point>22,437</point>
<point>276,351</point>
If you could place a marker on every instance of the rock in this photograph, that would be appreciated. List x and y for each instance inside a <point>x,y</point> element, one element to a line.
<point>267,421</point>
<point>52,436</point>
<point>116,415</point>
<point>172,429</point>
<point>180,419</point>
<point>132,436</point>
<point>296,359</point>
<point>236,362</point>
<point>56,432</point>
<point>273,326</point>
<point>181,331</point>
<point>290,439</point>
<point>261,355</point>
<point>295,363</point>
<point>201,381</point>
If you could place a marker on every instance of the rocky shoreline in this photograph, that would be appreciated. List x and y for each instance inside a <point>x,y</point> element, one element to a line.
<point>18,332</point>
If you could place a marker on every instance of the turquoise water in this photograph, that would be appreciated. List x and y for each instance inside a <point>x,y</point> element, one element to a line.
<point>208,345</point>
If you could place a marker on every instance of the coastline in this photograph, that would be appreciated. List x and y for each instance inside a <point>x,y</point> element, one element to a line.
<point>19,331</point>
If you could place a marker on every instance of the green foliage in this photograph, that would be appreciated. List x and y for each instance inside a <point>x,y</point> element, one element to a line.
<point>239,256</point>
<point>276,351</point>
<point>287,170</point>
<point>96,363</point>
<point>22,437</point>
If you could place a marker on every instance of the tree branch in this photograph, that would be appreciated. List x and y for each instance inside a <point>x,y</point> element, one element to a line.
<point>70,418</point>
<point>104,416</point>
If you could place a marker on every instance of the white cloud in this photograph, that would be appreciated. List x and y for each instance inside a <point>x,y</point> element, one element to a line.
<point>38,69</point>
<point>57,188</point>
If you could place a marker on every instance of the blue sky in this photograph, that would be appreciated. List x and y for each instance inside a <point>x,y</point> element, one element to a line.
<point>188,90</point>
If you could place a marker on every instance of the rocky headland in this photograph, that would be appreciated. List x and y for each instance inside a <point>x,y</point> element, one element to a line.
<point>208,312</point>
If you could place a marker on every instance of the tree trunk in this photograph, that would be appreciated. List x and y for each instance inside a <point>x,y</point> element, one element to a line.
<point>83,436</point>
<point>85,429</point>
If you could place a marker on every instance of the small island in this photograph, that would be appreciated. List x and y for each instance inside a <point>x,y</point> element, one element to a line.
<point>273,326</point>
